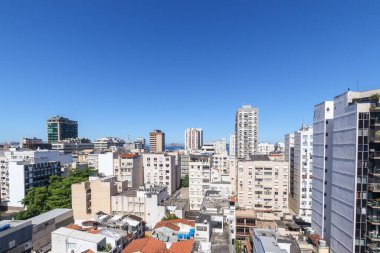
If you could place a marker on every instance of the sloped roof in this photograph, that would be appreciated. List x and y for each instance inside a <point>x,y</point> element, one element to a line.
<point>182,246</point>
<point>146,245</point>
<point>172,224</point>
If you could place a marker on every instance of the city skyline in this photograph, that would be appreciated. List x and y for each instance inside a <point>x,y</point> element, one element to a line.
<point>119,68</point>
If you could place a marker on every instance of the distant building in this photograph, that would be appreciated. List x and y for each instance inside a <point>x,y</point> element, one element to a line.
<point>246,131</point>
<point>265,148</point>
<point>199,179</point>
<point>59,129</point>
<point>105,144</point>
<point>193,138</point>
<point>140,143</point>
<point>157,141</point>
<point>72,146</point>
<point>263,186</point>
<point>34,143</point>
<point>301,173</point>
<point>160,169</point>
<point>129,167</point>
<point>232,147</point>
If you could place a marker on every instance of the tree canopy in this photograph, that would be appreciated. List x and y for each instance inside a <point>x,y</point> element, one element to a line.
<point>56,195</point>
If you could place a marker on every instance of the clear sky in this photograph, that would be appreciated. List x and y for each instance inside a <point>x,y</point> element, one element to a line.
<point>125,67</point>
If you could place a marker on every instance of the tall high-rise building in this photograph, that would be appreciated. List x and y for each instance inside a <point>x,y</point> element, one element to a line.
<point>322,147</point>
<point>156,141</point>
<point>59,129</point>
<point>347,183</point>
<point>246,131</point>
<point>301,173</point>
<point>289,158</point>
<point>193,138</point>
<point>232,149</point>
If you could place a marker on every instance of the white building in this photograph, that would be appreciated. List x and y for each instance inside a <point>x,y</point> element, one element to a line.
<point>22,169</point>
<point>322,147</point>
<point>354,177</point>
<point>263,186</point>
<point>107,142</point>
<point>232,147</point>
<point>65,240</point>
<point>160,169</point>
<point>246,131</point>
<point>199,179</point>
<point>129,167</point>
<point>193,138</point>
<point>144,202</point>
<point>265,148</point>
<point>301,173</point>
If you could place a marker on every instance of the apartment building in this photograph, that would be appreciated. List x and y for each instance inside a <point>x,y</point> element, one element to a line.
<point>156,141</point>
<point>59,128</point>
<point>246,131</point>
<point>129,167</point>
<point>145,202</point>
<point>160,169</point>
<point>263,185</point>
<point>193,138</point>
<point>301,173</point>
<point>95,195</point>
<point>106,143</point>
<point>322,172</point>
<point>23,169</point>
<point>184,163</point>
<point>354,176</point>
<point>71,146</point>
<point>265,148</point>
<point>34,143</point>
<point>220,168</point>
<point>232,146</point>
<point>199,179</point>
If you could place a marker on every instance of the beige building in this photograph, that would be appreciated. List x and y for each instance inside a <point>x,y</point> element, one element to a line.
<point>263,185</point>
<point>157,141</point>
<point>95,195</point>
<point>160,169</point>
<point>129,167</point>
<point>246,131</point>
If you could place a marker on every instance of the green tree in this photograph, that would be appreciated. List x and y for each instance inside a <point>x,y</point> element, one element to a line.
<point>169,216</point>
<point>238,246</point>
<point>56,195</point>
<point>185,181</point>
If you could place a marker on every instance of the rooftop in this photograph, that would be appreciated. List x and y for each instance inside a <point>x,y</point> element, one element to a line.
<point>260,158</point>
<point>39,219</point>
<point>84,236</point>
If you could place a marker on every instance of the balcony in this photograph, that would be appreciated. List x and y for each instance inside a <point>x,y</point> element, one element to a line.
<point>374,236</point>
<point>374,204</point>
<point>374,220</point>
<point>374,247</point>
<point>374,171</point>
<point>374,187</point>
<point>374,154</point>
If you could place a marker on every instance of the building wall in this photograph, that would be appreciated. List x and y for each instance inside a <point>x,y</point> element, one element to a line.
<point>322,168</point>
<point>130,169</point>
<point>300,201</point>
<point>105,163</point>
<point>160,169</point>
<point>193,138</point>
<point>263,186</point>
<point>246,131</point>
<point>157,141</point>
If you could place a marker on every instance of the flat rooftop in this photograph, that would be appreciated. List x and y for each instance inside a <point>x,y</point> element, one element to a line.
<point>50,215</point>
<point>84,236</point>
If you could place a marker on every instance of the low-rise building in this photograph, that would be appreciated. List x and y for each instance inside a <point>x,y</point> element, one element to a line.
<point>15,236</point>
<point>106,143</point>
<point>127,166</point>
<point>95,195</point>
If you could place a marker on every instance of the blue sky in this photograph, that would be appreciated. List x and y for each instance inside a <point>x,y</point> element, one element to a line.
<point>125,67</point>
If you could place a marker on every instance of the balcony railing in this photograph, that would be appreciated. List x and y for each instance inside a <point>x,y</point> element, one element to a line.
<point>374,170</point>
<point>374,154</point>
<point>374,204</point>
<point>374,236</point>
<point>374,187</point>
<point>374,219</point>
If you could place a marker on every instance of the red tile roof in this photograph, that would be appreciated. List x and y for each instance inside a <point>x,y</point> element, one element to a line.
<point>128,155</point>
<point>172,224</point>
<point>146,245</point>
<point>182,246</point>
<point>74,227</point>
